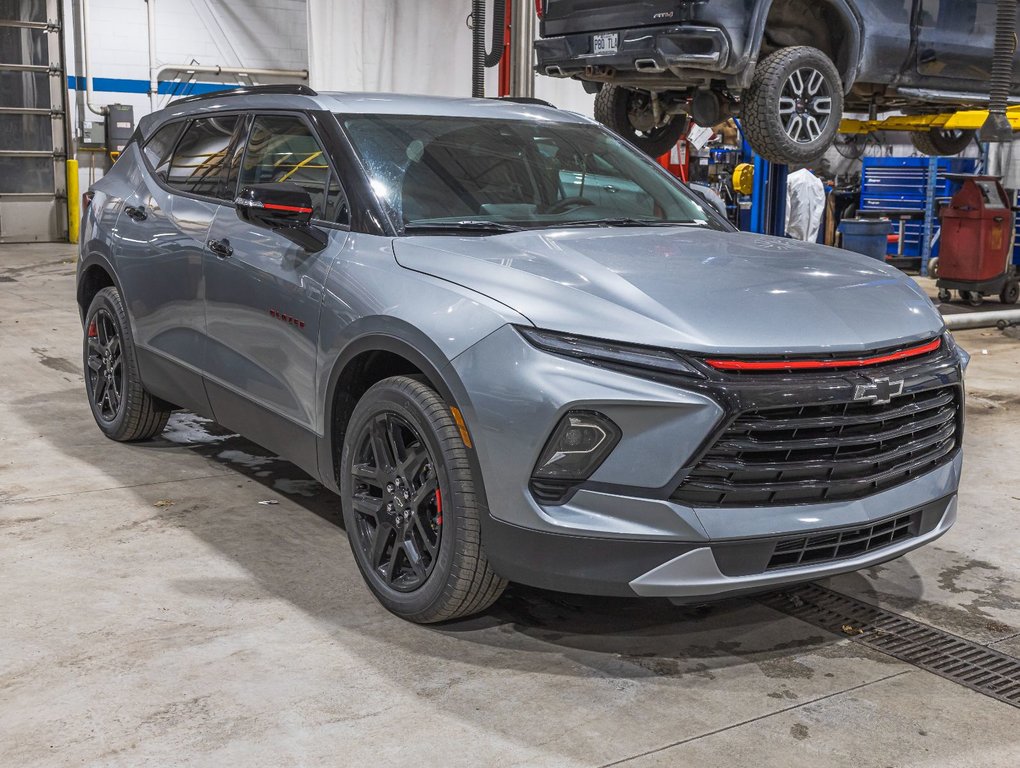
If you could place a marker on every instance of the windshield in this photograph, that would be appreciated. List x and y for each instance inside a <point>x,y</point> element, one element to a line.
<point>443,173</point>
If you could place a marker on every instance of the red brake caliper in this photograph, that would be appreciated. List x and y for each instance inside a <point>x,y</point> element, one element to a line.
<point>439,508</point>
<point>93,331</point>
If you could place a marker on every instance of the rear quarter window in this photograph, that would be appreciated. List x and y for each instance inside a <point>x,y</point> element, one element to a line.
<point>159,146</point>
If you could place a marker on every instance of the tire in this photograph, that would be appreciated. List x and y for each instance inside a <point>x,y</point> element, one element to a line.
<point>771,106</point>
<point>429,564</point>
<point>1010,292</point>
<point>120,404</point>
<point>933,267</point>
<point>617,108</point>
<point>945,295</point>
<point>939,143</point>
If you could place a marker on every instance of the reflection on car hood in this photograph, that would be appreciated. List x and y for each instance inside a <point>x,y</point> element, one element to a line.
<point>686,288</point>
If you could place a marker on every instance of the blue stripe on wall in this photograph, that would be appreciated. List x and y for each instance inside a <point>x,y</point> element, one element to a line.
<point>124,85</point>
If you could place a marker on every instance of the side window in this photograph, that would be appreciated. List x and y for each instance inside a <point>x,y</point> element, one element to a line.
<point>283,149</point>
<point>199,162</point>
<point>159,146</point>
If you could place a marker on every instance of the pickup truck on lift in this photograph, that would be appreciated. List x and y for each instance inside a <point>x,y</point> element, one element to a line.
<point>788,68</point>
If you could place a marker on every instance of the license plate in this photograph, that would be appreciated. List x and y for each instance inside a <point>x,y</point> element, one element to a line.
<point>607,42</point>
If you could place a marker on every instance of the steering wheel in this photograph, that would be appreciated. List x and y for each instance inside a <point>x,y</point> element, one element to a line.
<point>568,203</point>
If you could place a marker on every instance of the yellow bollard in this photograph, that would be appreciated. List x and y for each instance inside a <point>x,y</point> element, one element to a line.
<point>73,202</point>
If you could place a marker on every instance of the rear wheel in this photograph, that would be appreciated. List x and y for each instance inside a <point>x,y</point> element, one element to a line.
<point>630,114</point>
<point>974,298</point>
<point>121,406</point>
<point>410,505</point>
<point>794,105</point>
<point>938,142</point>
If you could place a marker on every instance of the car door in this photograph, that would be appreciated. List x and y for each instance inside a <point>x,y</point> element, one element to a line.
<point>263,293</point>
<point>955,40</point>
<point>161,245</point>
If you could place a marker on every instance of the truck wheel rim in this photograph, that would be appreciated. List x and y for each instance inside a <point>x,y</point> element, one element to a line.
<point>396,502</point>
<point>805,105</point>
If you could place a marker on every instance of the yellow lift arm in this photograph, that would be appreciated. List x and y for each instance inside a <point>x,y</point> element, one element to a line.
<point>966,120</point>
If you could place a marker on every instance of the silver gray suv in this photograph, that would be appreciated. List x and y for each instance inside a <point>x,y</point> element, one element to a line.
<point>516,348</point>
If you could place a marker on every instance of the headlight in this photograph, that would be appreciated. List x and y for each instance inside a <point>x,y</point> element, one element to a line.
<point>608,353</point>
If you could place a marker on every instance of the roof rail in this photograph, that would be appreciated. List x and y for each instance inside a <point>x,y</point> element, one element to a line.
<point>292,89</point>
<point>526,100</point>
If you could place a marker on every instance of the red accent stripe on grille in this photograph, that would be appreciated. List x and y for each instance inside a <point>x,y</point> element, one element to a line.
<point>290,208</point>
<point>802,365</point>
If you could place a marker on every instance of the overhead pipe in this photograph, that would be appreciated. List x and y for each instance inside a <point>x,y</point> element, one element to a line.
<point>89,95</point>
<point>150,24</point>
<point>1000,319</point>
<point>156,72</point>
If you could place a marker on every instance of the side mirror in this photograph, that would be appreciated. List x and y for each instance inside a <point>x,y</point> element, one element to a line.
<point>283,208</point>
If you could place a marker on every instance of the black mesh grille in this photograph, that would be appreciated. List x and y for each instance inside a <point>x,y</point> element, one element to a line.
<point>551,491</point>
<point>844,543</point>
<point>830,452</point>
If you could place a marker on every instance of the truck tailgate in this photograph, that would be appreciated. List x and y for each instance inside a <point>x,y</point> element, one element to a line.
<point>565,17</point>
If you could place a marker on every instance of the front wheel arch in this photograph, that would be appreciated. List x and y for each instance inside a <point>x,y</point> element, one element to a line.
<point>439,376</point>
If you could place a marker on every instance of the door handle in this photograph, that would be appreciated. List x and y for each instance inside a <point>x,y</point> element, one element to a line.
<point>136,212</point>
<point>221,248</point>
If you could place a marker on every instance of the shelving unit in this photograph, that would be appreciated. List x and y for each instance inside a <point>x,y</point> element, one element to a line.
<point>901,184</point>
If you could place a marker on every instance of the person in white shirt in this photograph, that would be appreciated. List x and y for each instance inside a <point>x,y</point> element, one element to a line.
<point>805,204</point>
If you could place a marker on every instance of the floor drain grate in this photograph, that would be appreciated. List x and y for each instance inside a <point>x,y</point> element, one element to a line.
<point>963,661</point>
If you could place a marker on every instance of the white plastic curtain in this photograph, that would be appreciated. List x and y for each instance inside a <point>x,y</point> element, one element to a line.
<point>407,46</point>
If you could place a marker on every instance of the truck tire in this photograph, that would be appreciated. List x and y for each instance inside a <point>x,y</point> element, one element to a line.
<point>628,113</point>
<point>938,142</point>
<point>794,105</point>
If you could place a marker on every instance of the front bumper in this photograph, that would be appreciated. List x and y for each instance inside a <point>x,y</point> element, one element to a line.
<point>648,50</point>
<point>684,571</point>
<point>622,532</point>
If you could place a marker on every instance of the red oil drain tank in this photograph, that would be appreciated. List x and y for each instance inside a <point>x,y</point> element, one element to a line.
<point>977,235</point>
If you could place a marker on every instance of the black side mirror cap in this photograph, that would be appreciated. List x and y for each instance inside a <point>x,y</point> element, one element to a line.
<point>284,208</point>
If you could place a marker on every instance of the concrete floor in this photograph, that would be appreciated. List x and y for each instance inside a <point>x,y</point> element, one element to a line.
<point>154,612</point>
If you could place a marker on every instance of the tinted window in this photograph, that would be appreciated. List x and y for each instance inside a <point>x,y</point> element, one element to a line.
<point>284,150</point>
<point>198,164</point>
<point>433,170</point>
<point>159,146</point>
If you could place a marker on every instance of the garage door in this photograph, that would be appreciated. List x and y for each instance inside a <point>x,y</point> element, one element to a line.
<point>32,146</point>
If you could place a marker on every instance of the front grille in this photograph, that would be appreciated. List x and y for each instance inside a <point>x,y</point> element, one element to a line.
<point>825,452</point>
<point>844,543</point>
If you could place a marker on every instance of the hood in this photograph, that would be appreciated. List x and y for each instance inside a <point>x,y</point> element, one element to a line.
<point>686,288</point>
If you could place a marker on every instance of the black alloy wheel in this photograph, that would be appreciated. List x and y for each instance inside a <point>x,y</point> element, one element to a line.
<point>122,407</point>
<point>105,365</point>
<point>397,502</point>
<point>413,504</point>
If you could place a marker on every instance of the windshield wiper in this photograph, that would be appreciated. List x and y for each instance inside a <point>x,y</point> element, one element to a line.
<point>469,225</point>
<point>626,222</point>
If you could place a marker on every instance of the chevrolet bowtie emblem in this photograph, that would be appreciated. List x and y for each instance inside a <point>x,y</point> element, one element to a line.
<point>878,391</point>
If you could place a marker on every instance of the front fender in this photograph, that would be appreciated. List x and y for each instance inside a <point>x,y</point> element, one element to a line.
<point>386,334</point>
